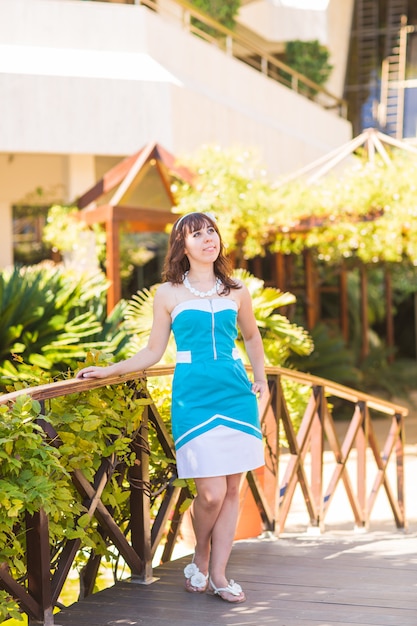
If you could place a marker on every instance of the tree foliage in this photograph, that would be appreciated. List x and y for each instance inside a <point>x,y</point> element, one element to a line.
<point>233,185</point>
<point>366,213</point>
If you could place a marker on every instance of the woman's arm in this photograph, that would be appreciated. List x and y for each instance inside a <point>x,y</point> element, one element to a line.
<point>149,355</point>
<point>253,341</point>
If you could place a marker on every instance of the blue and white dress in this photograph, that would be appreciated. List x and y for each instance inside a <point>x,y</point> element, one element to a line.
<point>215,418</point>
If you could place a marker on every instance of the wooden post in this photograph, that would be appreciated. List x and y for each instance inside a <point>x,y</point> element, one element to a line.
<point>399,454</point>
<point>279,271</point>
<point>114,293</point>
<point>140,513</point>
<point>389,314</point>
<point>361,447</point>
<point>317,448</point>
<point>344,303</point>
<point>364,312</point>
<point>257,266</point>
<point>38,565</point>
<point>311,290</point>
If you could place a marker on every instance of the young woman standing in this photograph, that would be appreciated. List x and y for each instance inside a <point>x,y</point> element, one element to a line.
<point>215,421</point>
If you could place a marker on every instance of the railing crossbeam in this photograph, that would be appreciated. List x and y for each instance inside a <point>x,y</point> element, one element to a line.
<point>174,527</point>
<point>160,522</point>
<point>340,473</point>
<point>18,591</point>
<point>295,472</point>
<point>261,501</point>
<point>107,522</point>
<point>382,465</point>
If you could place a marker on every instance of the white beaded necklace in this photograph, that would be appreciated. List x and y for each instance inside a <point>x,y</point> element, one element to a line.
<point>201,294</point>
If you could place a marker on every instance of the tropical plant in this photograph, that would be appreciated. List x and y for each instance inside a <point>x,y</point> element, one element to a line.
<point>51,316</point>
<point>330,358</point>
<point>383,377</point>
<point>280,337</point>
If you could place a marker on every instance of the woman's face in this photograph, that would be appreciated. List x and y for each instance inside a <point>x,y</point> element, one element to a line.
<point>203,244</point>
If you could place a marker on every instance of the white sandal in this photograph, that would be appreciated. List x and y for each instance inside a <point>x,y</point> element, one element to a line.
<point>233,588</point>
<point>196,581</point>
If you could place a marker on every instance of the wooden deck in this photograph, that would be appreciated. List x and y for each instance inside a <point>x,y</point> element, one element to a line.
<point>335,579</point>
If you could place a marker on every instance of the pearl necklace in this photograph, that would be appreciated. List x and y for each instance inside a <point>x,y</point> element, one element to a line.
<point>201,294</point>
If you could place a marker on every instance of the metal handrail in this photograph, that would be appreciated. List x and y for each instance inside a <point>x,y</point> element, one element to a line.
<point>242,48</point>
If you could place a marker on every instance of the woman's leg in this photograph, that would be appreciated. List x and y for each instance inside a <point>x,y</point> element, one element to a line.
<point>205,510</point>
<point>222,537</point>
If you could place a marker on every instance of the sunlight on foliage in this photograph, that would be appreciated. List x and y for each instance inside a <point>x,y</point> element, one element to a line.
<point>368,211</point>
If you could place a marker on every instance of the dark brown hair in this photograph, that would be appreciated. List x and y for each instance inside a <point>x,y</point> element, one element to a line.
<point>176,262</point>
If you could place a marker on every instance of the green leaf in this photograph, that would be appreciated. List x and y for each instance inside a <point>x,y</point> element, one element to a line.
<point>84,520</point>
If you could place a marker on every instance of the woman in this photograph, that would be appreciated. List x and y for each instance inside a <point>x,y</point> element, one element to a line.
<point>215,420</point>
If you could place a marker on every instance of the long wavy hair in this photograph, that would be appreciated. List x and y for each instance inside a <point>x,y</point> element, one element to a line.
<point>177,263</point>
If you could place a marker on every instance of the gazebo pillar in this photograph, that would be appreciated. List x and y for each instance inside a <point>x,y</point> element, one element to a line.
<point>279,271</point>
<point>114,293</point>
<point>364,312</point>
<point>311,290</point>
<point>389,314</point>
<point>344,304</point>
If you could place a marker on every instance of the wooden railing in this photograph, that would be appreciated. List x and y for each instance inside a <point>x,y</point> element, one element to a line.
<point>238,46</point>
<point>273,491</point>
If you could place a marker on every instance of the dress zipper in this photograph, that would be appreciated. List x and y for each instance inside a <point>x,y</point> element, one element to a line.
<point>213,337</point>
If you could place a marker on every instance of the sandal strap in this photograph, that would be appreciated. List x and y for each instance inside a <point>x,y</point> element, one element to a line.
<point>234,588</point>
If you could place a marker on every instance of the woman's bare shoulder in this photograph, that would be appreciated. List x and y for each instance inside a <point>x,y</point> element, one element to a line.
<point>166,294</point>
<point>241,289</point>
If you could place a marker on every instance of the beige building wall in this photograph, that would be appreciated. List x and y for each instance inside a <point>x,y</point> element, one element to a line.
<point>81,80</point>
<point>331,26</point>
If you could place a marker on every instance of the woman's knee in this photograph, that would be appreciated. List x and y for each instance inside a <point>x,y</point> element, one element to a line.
<point>211,495</point>
<point>233,486</point>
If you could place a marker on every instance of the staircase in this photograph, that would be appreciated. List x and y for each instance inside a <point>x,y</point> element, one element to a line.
<point>367,29</point>
<point>391,107</point>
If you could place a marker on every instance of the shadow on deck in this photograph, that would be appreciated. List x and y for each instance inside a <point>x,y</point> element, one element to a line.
<point>336,579</point>
<point>342,577</point>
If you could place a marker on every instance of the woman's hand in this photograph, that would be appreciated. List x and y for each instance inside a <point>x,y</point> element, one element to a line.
<point>94,371</point>
<point>259,387</point>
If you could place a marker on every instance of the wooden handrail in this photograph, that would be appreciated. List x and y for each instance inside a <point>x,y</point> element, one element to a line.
<point>77,385</point>
<point>340,391</point>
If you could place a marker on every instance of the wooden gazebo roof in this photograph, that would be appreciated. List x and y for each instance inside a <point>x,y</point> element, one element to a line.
<point>137,192</point>
<point>371,140</point>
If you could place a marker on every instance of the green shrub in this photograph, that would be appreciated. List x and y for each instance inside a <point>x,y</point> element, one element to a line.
<point>309,58</point>
<point>222,12</point>
<point>91,426</point>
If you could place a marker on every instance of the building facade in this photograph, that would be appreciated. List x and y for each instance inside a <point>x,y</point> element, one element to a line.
<point>85,83</point>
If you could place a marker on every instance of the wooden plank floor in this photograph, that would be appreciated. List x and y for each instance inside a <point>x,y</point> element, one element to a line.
<point>339,578</point>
